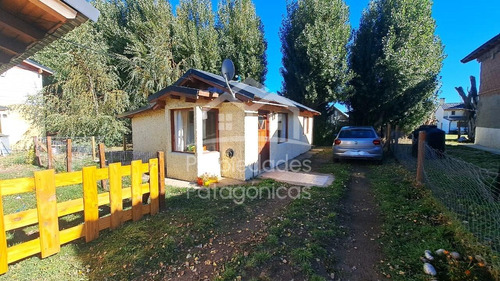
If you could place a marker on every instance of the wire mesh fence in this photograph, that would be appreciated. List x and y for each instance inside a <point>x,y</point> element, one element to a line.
<point>82,152</point>
<point>126,157</point>
<point>470,192</point>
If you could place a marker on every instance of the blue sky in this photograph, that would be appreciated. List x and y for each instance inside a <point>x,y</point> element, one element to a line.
<point>462,26</point>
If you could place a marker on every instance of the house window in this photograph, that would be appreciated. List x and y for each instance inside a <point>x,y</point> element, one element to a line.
<point>306,125</point>
<point>282,127</point>
<point>183,130</point>
<point>210,130</point>
<point>453,113</point>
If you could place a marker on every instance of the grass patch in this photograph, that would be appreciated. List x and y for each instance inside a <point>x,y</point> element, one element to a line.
<point>483,159</point>
<point>413,221</point>
<point>299,238</point>
<point>149,248</point>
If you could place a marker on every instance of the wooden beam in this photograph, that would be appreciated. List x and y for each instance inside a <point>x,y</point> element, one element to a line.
<point>19,26</point>
<point>11,44</point>
<point>4,58</point>
<point>56,8</point>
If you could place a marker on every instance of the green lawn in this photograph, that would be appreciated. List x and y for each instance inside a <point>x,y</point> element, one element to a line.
<point>474,156</point>
<point>413,221</point>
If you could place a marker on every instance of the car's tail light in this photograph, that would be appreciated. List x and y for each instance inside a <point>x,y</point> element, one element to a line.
<point>337,142</point>
<point>376,142</point>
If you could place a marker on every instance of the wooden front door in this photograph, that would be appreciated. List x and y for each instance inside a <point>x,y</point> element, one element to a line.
<point>263,140</point>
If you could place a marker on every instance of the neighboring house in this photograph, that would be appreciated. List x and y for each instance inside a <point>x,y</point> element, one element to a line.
<point>338,118</point>
<point>16,85</point>
<point>204,130</point>
<point>449,115</point>
<point>488,122</point>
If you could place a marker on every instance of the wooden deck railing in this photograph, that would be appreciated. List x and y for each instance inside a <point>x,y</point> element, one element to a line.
<point>48,210</point>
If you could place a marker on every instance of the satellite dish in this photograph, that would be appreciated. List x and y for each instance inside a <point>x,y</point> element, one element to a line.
<point>228,74</point>
<point>228,69</point>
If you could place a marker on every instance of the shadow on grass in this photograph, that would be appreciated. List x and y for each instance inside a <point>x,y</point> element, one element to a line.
<point>147,249</point>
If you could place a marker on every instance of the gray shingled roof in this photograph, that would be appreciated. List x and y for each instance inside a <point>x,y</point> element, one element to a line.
<point>243,89</point>
<point>451,106</point>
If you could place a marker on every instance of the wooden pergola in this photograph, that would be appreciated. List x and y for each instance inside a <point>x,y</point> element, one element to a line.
<point>27,26</point>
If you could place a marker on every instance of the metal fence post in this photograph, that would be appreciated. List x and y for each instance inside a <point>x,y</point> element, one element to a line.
<point>420,157</point>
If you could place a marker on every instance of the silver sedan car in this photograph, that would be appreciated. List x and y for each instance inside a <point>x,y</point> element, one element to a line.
<point>355,142</point>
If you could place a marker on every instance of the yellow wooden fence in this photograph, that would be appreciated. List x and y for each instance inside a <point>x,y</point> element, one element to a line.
<point>48,211</point>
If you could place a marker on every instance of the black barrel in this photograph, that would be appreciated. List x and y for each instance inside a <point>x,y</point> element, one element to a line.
<point>434,137</point>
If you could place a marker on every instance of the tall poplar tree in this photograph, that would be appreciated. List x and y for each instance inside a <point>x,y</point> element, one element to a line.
<point>314,37</point>
<point>396,59</point>
<point>241,38</point>
<point>196,39</point>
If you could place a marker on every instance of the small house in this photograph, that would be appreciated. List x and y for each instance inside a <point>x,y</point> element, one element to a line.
<point>204,129</point>
<point>17,84</point>
<point>450,117</point>
<point>488,123</point>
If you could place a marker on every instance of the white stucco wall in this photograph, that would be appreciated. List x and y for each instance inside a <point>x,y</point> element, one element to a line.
<point>16,85</point>
<point>297,143</point>
<point>251,145</point>
<point>489,137</point>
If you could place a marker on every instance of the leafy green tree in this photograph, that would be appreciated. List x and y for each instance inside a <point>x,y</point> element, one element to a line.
<point>140,35</point>
<point>396,59</point>
<point>241,38</point>
<point>83,97</point>
<point>314,37</point>
<point>195,36</point>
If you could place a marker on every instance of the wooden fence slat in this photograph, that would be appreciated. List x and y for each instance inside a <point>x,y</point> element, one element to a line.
<point>70,178</point>
<point>136,190</point>
<point>3,240</point>
<point>161,179</point>
<point>73,233</point>
<point>115,194</point>
<point>48,223</point>
<point>153,186</point>
<point>70,207</point>
<point>17,186</point>
<point>21,219</point>
<point>90,203</point>
<point>23,250</point>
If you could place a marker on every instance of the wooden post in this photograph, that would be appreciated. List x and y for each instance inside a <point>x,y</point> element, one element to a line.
<point>3,240</point>
<point>396,139</point>
<point>161,179</point>
<point>115,194</point>
<point>69,156</point>
<point>153,185</point>
<point>136,177</point>
<point>50,165</point>
<point>48,221</point>
<point>421,157</point>
<point>102,164</point>
<point>90,203</point>
<point>124,142</point>
<point>92,140</point>
<point>38,161</point>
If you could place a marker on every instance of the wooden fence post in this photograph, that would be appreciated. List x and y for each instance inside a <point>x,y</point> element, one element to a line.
<point>161,179</point>
<point>38,161</point>
<point>124,142</point>
<point>69,156</point>
<point>48,221</point>
<point>420,157</point>
<point>115,194</point>
<point>153,186</point>
<point>50,165</point>
<point>92,141</point>
<point>3,240</point>
<point>136,177</point>
<point>90,203</point>
<point>102,163</point>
